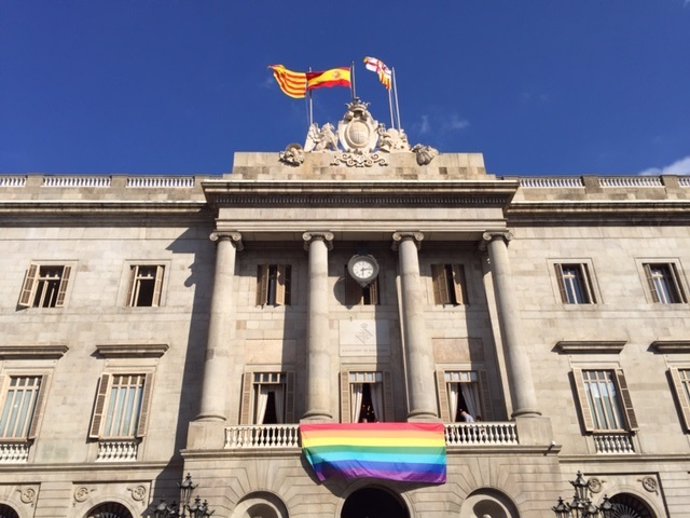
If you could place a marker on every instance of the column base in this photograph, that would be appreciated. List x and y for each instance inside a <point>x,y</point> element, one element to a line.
<point>422,417</point>
<point>525,412</point>
<point>316,417</point>
<point>206,435</point>
<point>534,431</point>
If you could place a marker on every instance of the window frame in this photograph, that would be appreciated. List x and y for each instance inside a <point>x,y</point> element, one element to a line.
<point>677,280</point>
<point>135,284</point>
<point>248,395</point>
<point>102,401</point>
<point>681,390</point>
<point>442,387</point>
<point>624,401</point>
<point>32,281</point>
<point>273,291</point>
<point>449,284</point>
<point>346,393</point>
<point>587,276</point>
<point>34,422</point>
<point>583,278</point>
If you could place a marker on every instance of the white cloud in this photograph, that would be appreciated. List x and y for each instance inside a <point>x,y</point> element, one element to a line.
<point>424,126</point>
<point>456,123</point>
<point>680,167</point>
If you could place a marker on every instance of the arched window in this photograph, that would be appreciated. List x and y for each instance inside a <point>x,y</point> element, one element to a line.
<point>7,512</point>
<point>110,510</point>
<point>488,502</point>
<point>628,506</point>
<point>372,501</point>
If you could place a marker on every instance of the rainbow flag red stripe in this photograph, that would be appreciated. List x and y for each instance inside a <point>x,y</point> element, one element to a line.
<point>405,452</point>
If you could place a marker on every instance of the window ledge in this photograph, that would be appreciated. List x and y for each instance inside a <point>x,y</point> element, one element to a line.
<point>671,346</point>
<point>131,350</point>
<point>32,352</point>
<point>590,346</point>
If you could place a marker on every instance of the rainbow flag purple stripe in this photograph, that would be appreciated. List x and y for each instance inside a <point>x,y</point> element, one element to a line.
<point>405,452</point>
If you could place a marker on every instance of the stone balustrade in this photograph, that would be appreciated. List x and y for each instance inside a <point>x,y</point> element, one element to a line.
<point>614,443</point>
<point>12,181</point>
<point>262,436</point>
<point>481,434</point>
<point>14,452</point>
<point>78,182</point>
<point>117,451</point>
<point>160,182</point>
<point>630,181</point>
<point>556,182</point>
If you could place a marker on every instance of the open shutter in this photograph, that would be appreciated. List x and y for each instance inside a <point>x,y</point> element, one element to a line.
<point>585,410</point>
<point>442,391</point>
<point>261,284</point>
<point>289,397</point>
<point>99,406</point>
<point>62,289</point>
<point>345,413</point>
<point>133,274</point>
<point>587,281</point>
<point>38,409</point>
<point>650,282</point>
<point>675,279</point>
<point>374,292</point>
<point>142,427</point>
<point>353,291</point>
<point>158,286</point>
<point>246,403</point>
<point>484,399</point>
<point>460,284</point>
<point>282,284</point>
<point>681,395</point>
<point>388,401</point>
<point>28,287</point>
<point>559,278</point>
<point>627,401</point>
<point>438,278</point>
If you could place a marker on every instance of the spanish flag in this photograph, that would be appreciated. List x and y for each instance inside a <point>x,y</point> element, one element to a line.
<point>293,84</point>
<point>329,78</point>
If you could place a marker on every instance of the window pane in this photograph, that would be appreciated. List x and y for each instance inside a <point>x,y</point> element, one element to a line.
<point>19,406</point>
<point>603,399</point>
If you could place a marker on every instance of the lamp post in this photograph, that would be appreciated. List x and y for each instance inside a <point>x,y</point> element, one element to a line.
<point>197,509</point>
<point>582,506</point>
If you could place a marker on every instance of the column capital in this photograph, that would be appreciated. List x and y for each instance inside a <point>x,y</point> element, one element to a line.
<point>325,236</point>
<point>399,237</point>
<point>224,235</point>
<point>490,235</point>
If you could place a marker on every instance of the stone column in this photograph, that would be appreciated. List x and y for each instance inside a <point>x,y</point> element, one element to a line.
<point>319,379</point>
<point>519,370</point>
<point>419,356</point>
<point>220,328</point>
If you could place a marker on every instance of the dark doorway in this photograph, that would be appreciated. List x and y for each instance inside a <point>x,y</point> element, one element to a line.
<point>371,502</point>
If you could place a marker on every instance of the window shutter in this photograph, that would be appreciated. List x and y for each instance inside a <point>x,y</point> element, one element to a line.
<point>62,289</point>
<point>484,400</point>
<point>438,278</point>
<point>442,390</point>
<point>353,291</point>
<point>559,277</point>
<point>388,401</point>
<point>626,400</point>
<point>38,409</point>
<point>290,397</point>
<point>585,410</point>
<point>246,403</point>
<point>681,395</point>
<point>158,286</point>
<point>374,292</point>
<point>345,414</point>
<point>133,272</point>
<point>28,287</point>
<point>460,284</point>
<point>650,282</point>
<point>281,284</point>
<point>675,279</point>
<point>587,281</point>
<point>99,406</point>
<point>142,427</point>
<point>261,284</point>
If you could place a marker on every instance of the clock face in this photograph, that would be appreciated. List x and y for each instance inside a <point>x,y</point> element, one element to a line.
<point>363,269</point>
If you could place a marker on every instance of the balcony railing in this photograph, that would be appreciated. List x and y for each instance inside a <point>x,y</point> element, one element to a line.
<point>117,451</point>
<point>614,443</point>
<point>287,435</point>
<point>14,452</point>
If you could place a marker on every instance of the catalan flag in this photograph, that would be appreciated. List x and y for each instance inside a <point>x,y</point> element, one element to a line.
<point>329,78</point>
<point>381,70</point>
<point>406,452</point>
<point>293,84</point>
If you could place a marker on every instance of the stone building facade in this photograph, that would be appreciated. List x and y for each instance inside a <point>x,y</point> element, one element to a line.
<point>134,349</point>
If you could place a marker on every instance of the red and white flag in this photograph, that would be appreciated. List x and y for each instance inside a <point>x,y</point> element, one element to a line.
<point>379,67</point>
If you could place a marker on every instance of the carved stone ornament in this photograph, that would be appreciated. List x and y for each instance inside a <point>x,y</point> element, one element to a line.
<point>359,159</point>
<point>293,155</point>
<point>81,494</point>
<point>392,140</point>
<point>595,485</point>
<point>357,131</point>
<point>27,495</point>
<point>650,484</point>
<point>138,493</point>
<point>425,154</point>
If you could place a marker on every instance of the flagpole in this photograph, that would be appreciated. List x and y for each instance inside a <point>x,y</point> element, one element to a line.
<point>352,83</point>
<point>390,107</point>
<point>397,106</point>
<point>311,106</point>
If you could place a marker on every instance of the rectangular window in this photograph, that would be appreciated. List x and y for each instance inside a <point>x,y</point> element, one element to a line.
<point>273,285</point>
<point>605,400</point>
<point>460,390</point>
<point>356,295</point>
<point>575,283</point>
<point>146,283</point>
<point>121,407</point>
<point>681,385</point>
<point>366,397</point>
<point>267,398</point>
<point>20,407</point>
<point>664,283</point>
<point>45,286</point>
<point>450,286</point>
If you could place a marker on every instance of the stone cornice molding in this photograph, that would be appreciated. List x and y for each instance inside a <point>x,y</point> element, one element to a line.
<point>490,235</point>
<point>131,350</point>
<point>670,346</point>
<point>325,236</point>
<point>223,235</point>
<point>590,346</point>
<point>32,352</point>
<point>399,237</point>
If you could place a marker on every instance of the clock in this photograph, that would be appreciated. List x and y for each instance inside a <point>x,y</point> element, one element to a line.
<point>363,268</point>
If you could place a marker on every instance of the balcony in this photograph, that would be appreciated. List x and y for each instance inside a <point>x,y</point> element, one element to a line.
<point>14,452</point>
<point>487,434</point>
<point>117,451</point>
<point>614,443</point>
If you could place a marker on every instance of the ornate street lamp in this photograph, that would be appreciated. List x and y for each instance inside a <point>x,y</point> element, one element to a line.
<point>197,509</point>
<point>582,506</point>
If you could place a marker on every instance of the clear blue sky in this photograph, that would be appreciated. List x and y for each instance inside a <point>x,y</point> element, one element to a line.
<point>541,87</point>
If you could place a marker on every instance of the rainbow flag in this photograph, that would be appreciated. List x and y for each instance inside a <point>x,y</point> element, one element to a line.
<point>406,452</point>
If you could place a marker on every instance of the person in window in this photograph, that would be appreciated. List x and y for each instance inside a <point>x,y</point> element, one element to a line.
<point>466,416</point>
